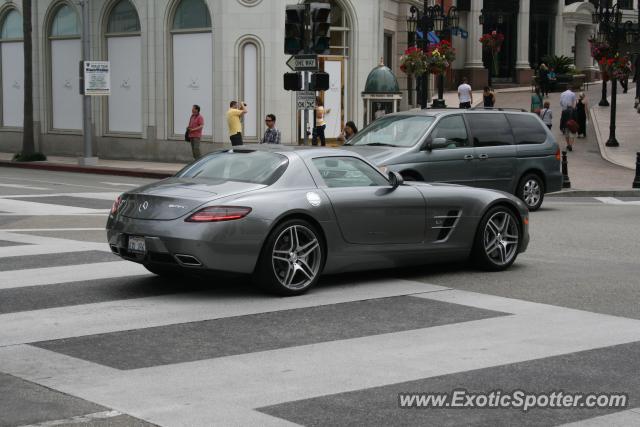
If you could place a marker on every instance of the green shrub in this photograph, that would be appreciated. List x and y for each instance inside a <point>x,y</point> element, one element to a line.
<point>35,157</point>
<point>561,64</point>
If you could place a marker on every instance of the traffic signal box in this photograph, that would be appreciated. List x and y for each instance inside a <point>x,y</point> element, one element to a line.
<point>294,29</point>
<point>293,81</point>
<point>320,24</point>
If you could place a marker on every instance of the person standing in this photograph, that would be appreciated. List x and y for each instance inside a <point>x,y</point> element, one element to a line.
<point>536,101</point>
<point>488,97</point>
<point>465,95</point>
<point>233,121</point>
<point>547,115</point>
<point>320,124</point>
<point>196,124</point>
<point>569,126</point>
<point>543,77</point>
<point>271,135</point>
<point>568,99</point>
<point>581,113</point>
<point>350,130</point>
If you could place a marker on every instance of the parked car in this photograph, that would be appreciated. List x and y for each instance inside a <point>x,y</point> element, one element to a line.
<point>286,216</point>
<point>512,151</point>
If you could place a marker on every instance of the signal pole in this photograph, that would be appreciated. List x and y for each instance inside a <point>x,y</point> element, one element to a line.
<point>87,159</point>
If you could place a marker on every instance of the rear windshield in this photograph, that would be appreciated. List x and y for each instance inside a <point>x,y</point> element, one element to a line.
<point>394,131</point>
<point>256,167</point>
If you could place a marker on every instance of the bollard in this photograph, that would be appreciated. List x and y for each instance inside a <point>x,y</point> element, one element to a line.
<point>636,181</point>
<point>566,182</point>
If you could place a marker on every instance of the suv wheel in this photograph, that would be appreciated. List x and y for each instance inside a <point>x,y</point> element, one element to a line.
<point>531,191</point>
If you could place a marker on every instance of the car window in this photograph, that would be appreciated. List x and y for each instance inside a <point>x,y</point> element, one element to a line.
<point>257,167</point>
<point>348,172</point>
<point>527,129</point>
<point>490,129</point>
<point>451,128</point>
<point>396,131</point>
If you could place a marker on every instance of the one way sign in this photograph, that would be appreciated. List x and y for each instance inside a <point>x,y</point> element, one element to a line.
<point>303,63</point>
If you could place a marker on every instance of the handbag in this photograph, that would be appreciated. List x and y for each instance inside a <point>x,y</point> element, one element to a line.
<point>186,135</point>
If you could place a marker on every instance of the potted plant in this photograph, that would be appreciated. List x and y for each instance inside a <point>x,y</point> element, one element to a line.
<point>440,56</point>
<point>414,61</point>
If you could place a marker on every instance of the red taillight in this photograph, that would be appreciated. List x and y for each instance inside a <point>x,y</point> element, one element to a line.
<point>558,154</point>
<point>116,205</point>
<point>219,213</point>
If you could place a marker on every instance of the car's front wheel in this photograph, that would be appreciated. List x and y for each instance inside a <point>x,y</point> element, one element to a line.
<point>531,191</point>
<point>497,239</point>
<point>292,258</point>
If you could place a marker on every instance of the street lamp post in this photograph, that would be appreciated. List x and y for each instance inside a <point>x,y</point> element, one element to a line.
<point>432,18</point>
<point>610,28</point>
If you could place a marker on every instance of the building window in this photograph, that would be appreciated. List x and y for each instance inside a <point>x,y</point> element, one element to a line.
<point>65,50</point>
<point>11,70</point>
<point>192,68</point>
<point>388,50</point>
<point>124,52</point>
<point>250,88</point>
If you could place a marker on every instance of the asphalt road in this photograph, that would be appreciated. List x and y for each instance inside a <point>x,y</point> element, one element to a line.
<point>88,339</point>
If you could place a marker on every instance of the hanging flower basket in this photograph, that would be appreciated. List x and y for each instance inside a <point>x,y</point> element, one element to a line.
<point>492,42</point>
<point>440,56</point>
<point>618,67</point>
<point>414,61</point>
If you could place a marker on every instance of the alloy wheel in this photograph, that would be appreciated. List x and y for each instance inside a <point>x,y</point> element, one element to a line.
<point>531,192</point>
<point>501,238</point>
<point>296,257</point>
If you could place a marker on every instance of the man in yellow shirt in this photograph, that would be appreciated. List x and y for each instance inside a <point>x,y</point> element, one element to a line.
<point>233,121</point>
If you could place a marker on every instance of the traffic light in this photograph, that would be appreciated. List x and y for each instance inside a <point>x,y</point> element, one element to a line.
<point>319,81</point>
<point>294,29</point>
<point>320,25</point>
<point>292,81</point>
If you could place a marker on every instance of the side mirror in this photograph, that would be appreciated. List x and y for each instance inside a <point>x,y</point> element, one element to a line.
<point>437,143</point>
<point>395,179</point>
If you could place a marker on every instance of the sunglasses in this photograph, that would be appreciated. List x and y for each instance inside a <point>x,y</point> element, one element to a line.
<point>268,120</point>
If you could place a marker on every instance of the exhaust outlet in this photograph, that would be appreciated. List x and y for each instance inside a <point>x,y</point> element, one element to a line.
<point>188,260</point>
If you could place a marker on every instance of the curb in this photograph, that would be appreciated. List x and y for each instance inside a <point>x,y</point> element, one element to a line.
<point>601,145</point>
<point>595,193</point>
<point>100,170</point>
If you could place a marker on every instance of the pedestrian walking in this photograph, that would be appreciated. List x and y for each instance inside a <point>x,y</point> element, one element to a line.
<point>488,97</point>
<point>271,134</point>
<point>233,121</point>
<point>349,131</point>
<point>543,79</point>
<point>194,130</point>
<point>581,113</point>
<point>537,100</point>
<point>320,124</point>
<point>569,126</point>
<point>553,78</point>
<point>546,115</point>
<point>568,99</point>
<point>465,95</point>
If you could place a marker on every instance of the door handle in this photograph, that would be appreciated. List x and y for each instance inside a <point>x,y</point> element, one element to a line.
<point>483,156</point>
<point>468,156</point>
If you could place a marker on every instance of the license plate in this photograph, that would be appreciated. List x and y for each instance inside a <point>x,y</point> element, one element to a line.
<point>137,245</point>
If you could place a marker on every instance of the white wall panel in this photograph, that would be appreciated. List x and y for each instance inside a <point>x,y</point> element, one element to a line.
<point>192,79</point>
<point>12,84</point>
<point>66,100</point>
<point>125,101</point>
<point>250,89</point>
<point>333,98</point>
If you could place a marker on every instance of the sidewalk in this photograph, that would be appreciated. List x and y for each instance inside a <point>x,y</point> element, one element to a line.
<point>627,129</point>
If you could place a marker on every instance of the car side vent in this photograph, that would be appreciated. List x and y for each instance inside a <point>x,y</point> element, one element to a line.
<point>445,223</point>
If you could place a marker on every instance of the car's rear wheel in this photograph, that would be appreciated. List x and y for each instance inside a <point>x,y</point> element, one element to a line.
<point>497,239</point>
<point>531,191</point>
<point>292,258</point>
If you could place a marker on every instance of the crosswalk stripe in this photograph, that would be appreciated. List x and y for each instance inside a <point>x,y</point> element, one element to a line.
<point>23,208</point>
<point>630,417</point>
<point>120,183</point>
<point>614,201</point>
<point>25,187</point>
<point>66,274</point>
<point>101,195</point>
<point>535,331</point>
<point>113,316</point>
<point>78,419</point>
<point>31,230</point>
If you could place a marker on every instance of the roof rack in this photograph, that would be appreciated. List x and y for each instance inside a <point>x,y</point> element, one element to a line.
<point>479,107</point>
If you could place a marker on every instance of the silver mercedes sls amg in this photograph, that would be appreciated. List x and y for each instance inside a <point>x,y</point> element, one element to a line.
<point>287,215</point>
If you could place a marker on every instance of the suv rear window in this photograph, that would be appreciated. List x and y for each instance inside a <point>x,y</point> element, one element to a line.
<point>527,129</point>
<point>490,129</point>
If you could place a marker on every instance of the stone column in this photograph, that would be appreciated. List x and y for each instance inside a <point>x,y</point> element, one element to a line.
<point>523,68</point>
<point>473,67</point>
<point>558,41</point>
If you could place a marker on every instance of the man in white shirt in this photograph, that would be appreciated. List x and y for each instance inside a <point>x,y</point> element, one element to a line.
<point>568,99</point>
<point>464,94</point>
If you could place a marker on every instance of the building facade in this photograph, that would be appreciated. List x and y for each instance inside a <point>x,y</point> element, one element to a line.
<point>166,55</point>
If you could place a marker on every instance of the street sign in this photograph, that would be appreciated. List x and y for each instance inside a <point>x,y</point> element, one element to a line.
<point>305,100</point>
<point>96,78</point>
<point>303,63</point>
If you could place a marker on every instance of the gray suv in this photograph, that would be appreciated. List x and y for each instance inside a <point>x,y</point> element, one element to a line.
<point>504,150</point>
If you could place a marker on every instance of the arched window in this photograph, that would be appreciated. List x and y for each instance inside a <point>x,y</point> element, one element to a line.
<point>65,49</point>
<point>250,66</point>
<point>337,65</point>
<point>124,52</point>
<point>192,68</point>
<point>11,70</point>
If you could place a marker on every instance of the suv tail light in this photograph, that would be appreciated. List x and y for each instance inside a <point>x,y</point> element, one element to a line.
<point>558,154</point>
<point>219,213</point>
<point>116,205</point>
